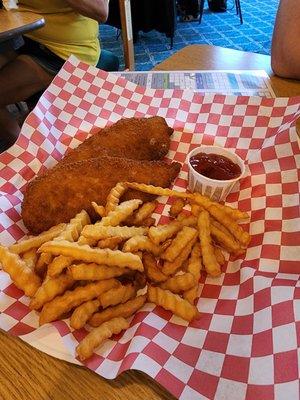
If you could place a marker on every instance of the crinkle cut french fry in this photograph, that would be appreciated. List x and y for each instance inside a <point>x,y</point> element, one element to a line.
<point>153,273</point>
<point>183,237</point>
<point>143,243</point>
<point>219,255</point>
<point>83,312</point>
<point>144,212</point>
<point>170,268</point>
<point>166,244</point>
<point>209,259</point>
<point>182,215</point>
<point>120,213</point>
<point>159,191</point>
<point>122,310</point>
<point>50,288</point>
<point>194,267</point>
<point>196,209</point>
<point>225,240</point>
<point>176,207</point>
<point>89,241</point>
<point>233,213</point>
<point>145,223</point>
<point>30,257</point>
<point>100,210</point>
<point>239,234</point>
<point>96,336</point>
<point>194,263</point>
<point>22,276</point>
<point>60,305</point>
<point>218,225</point>
<point>44,259</point>
<point>73,229</point>
<point>172,302</point>
<point>161,233</point>
<point>191,294</point>
<point>150,221</point>
<point>201,200</point>
<point>37,241</point>
<point>179,283</point>
<point>114,196</point>
<point>99,232</point>
<point>110,243</point>
<point>88,254</point>
<point>117,296</point>
<point>57,265</point>
<point>190,220</point>
<point>95,272</point>
<point>205,202</point>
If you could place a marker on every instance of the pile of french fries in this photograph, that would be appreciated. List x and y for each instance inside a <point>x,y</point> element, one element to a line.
<point>100,274</point>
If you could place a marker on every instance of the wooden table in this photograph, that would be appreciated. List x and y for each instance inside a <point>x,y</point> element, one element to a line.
<point>14,23</point>
<point>213,57</point>
<point>204,57</point>
<point>26,373</point>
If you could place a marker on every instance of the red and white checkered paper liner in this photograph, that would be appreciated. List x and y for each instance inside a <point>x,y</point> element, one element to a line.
<point>246,343</point>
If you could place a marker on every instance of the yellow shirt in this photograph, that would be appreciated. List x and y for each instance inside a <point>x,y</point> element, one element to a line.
<point>65,32</point>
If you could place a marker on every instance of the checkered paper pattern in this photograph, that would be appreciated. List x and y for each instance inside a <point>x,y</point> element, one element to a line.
<point>246,344</point>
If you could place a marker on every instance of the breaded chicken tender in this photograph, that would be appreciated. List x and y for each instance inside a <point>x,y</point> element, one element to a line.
<point>63,191</point>
<point>134,138</point>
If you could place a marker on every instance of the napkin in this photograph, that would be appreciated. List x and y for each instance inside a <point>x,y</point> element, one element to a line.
<point>245,345</point>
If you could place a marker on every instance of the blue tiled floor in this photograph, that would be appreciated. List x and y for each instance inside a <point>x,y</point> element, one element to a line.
<point>222,29</point>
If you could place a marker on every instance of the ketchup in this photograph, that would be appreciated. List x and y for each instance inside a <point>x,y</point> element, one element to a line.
<point>215,166</point>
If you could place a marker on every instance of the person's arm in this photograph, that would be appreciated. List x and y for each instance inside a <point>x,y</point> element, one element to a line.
<point>95,9</point>
<point>285,55</point>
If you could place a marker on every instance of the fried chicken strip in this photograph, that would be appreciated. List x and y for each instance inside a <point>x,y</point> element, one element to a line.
<point>61,192</point>
<point>134,138</point>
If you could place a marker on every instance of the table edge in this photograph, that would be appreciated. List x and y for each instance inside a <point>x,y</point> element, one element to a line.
<point>22,29</point>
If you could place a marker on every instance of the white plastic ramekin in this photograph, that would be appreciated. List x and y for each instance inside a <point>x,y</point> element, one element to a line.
<point>217,190</point>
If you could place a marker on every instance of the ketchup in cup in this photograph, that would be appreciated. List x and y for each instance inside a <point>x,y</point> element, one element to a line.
<point>213,171</point>
<point>215,166</point>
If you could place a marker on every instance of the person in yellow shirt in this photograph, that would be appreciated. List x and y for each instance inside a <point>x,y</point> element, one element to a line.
<point>71,27</point>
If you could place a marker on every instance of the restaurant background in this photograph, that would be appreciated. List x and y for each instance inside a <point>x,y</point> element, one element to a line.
<point>218,29</point>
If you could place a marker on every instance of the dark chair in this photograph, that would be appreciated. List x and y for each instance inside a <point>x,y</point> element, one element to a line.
<point>159,15</point>
<point>237,6</point>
